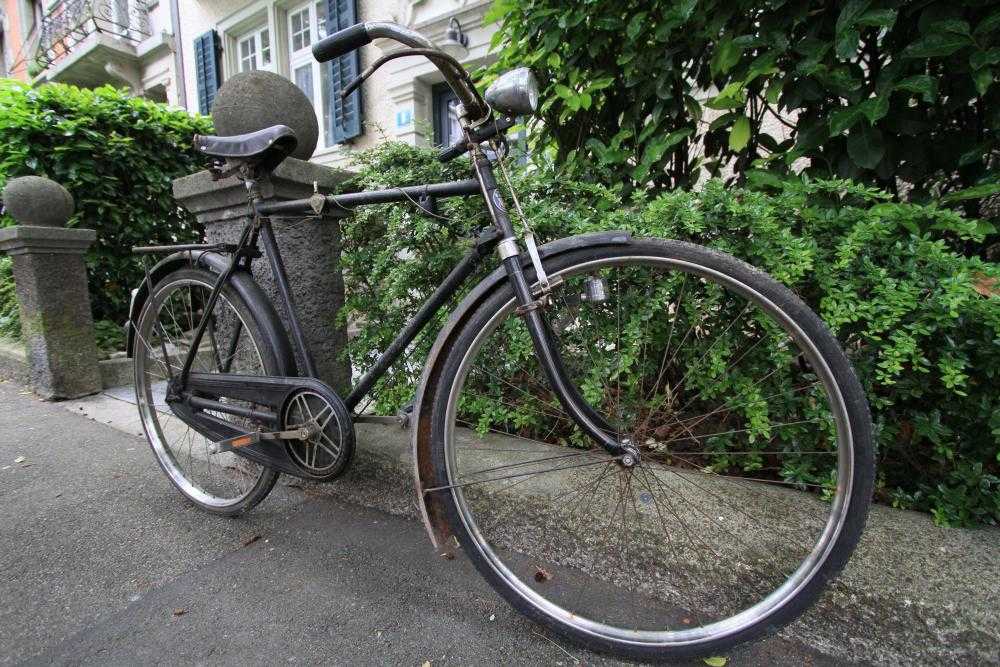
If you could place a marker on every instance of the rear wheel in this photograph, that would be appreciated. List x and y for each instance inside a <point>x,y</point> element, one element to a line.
<point>756,463</point>
<point>222,483</point>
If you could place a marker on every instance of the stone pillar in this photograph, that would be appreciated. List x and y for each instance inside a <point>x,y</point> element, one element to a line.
<point>310,249</point>
<point>51,286</point>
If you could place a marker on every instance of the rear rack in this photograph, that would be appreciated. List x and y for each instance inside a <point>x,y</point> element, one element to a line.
<point>229,248</point>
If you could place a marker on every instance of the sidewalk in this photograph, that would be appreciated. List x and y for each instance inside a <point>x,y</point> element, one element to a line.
<point>913,594</point>
<point>102,562</point>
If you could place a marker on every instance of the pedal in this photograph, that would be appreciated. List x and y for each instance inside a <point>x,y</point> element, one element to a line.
<point>247,439</point>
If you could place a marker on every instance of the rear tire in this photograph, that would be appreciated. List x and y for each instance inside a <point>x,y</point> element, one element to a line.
<point>225,484</point>
<point>507,555</point>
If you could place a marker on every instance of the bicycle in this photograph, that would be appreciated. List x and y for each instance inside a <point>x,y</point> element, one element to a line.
<point>648,446</point>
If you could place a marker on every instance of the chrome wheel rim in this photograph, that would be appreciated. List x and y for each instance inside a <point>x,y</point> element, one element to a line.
<point>736,623</point>
<point>205,476</point>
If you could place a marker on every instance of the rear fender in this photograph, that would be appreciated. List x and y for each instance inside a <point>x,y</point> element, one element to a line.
<point>431,507</point>
<point>241,281</point>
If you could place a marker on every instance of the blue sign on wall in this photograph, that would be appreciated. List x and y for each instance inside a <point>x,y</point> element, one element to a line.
<point>404,117</point>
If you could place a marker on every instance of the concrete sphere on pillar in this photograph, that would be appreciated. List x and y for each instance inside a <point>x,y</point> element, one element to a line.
<point>37,201</point>
<point>252,101</point>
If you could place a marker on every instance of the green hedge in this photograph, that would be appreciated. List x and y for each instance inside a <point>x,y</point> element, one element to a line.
<point>117,155</point>
<point>920,320</point>
<point>10,315</point>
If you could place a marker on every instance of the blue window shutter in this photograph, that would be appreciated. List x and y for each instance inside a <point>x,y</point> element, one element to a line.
<point>345,115</point>
<point>207,69</point>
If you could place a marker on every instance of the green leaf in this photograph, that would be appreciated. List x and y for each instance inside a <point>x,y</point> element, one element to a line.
<point>733,96</point>
<point>726,55</point>
<point>976,192</point>
<point>563,91</point>
<point>635,25</point>
<point>983,79</point>
<point>499,11</point>
<point>847,35</point>
<point>936,45</point>
<point>739,134</point>
<point>849,14</point>
<point>774,88</point>
<point>844,119</point>
<point>981,59</point>
<point>875,108</point>
<point>657,147</point>
<point>721,121</point>
<point>716,661</point>
<point>847,44</point>
<point>988,25</point>
<point>957,26</point>
<point>865,146</point>
<point>880,18</point>
<point>921,83</point>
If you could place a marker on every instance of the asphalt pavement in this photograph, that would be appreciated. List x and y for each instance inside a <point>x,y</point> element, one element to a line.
<point>102,562</point>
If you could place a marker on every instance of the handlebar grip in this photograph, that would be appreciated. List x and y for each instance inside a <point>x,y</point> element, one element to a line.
<point>341,42</point>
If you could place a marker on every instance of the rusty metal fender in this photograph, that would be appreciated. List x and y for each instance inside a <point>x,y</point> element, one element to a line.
<point>432,510</point>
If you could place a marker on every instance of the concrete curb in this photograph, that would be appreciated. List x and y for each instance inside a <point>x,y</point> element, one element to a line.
<point>913,593</point>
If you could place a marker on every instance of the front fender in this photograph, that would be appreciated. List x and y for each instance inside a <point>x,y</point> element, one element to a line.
<point>431,508</point>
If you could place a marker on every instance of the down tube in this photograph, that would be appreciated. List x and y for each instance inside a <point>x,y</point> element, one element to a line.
<point>441,295</point>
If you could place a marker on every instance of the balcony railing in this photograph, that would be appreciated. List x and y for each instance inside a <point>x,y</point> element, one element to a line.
<point>70,22</point>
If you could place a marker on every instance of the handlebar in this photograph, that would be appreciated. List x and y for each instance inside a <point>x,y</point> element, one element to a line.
<point>346,40</point>
<point>341,42</point>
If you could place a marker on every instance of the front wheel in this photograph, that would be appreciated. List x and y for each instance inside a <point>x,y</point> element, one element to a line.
<point>756,462</point>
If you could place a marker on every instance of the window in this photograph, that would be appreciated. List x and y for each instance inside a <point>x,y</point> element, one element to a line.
<point>447,129</point>
<point>306,25</point>
<point>254,51</point>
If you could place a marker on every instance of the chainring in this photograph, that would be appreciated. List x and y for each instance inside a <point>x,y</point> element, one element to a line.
<point>325,453</point>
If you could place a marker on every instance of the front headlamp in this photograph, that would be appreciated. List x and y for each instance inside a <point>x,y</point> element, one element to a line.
<point>515,93</point>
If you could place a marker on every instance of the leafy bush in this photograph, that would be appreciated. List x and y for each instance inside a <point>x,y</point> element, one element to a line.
<point>10,315</point>
<point>920,321</point>
<point>872,90</point>
<point>117,155</point>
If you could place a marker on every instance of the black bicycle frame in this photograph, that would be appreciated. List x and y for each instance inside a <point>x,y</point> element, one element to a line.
<point>501,234</point>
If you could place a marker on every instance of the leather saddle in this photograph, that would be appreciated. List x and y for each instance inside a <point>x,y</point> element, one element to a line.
<point>264,149</point>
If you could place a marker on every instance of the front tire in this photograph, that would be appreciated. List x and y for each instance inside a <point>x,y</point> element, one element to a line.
<point>757,467</point>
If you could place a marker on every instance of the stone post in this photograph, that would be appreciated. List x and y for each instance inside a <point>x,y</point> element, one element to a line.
<point>51,286</point>
<point>310,248</point>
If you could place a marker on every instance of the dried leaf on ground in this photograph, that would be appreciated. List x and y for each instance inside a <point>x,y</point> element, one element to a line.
<point>985,285</point>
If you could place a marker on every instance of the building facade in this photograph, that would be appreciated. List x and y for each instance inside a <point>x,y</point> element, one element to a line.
<point>124,43</point>
<point>182,51</point>
<point>19,27</point>
<point>405,100</point>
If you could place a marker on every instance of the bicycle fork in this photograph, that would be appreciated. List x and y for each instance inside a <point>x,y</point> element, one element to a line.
<point>531,309</point>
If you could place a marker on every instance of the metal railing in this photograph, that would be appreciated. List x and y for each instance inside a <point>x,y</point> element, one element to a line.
<point>70,22</point>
